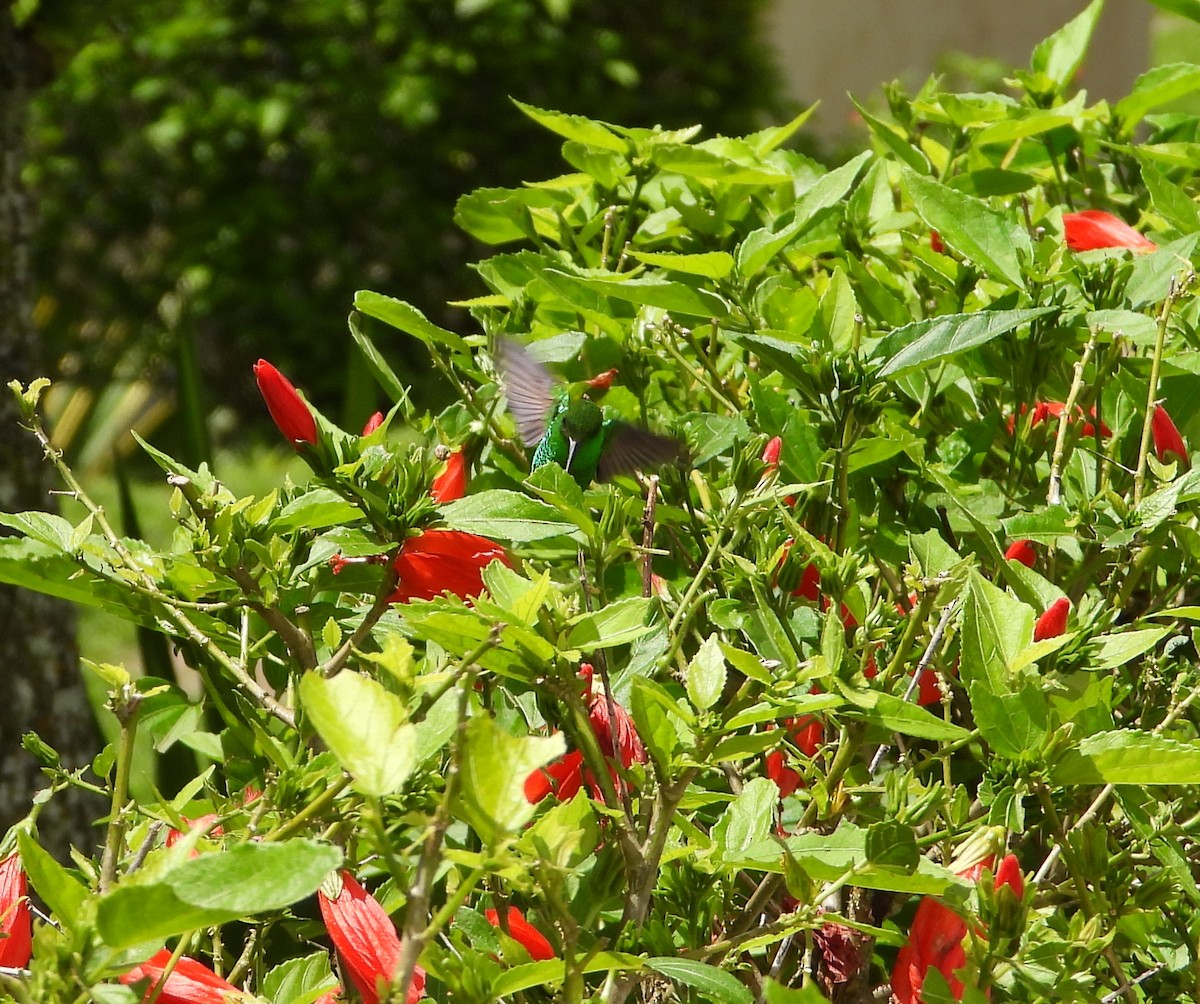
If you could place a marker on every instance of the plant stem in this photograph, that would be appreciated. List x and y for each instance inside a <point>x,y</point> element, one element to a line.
<point>125,708</point>
<point>1139,478</point>
<point>1054,492</point>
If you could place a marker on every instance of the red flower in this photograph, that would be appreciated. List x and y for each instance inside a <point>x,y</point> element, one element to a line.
<point>628,747</point>
<point>770,453</point>
<point>365,940</point>
<point>1094,228</point>
<point>290,413</point>
<point>1054,621</point>
<point>190,982</point>
<point>16,926</point>
<point>441,561</point>
<point>562,778</point>
<point>935,938</point>
<point>521,930</point>
<point>1022,551</point>
<point>451,484</point>
<point>1045,410</point>
<point>199,823</point>
<point>373,423</point>
<point>1167,439</point>
<point>603,381</point>
<point>936,243</point>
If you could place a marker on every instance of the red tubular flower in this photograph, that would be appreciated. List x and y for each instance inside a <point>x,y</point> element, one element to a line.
<point>602,381</point>
<point>1167,439</point>
<point>1054,621</point>
<point>366,941</point>
<point>1022,551</point>
<point>1094,228</point>
<point>451,484</point>
<point>770,453</point>
<point>441,561</point>
<point>1044,411</point>
<point>293,417</point>
<point>16,925</point>
<point>1009,873</point>
<point>199,823</point>
<point>190,982</point>
<point>562,778</point>
<point>531,939</point>
<point>373,423</point>
<point>611,721</point>
<point>936,243</point>
<point>936,936</point>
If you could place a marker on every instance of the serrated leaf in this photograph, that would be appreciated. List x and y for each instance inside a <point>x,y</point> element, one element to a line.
<point>710,982</point>
<point>408,319</point>
<point>706,674</point>
<point>614,624</point>
<point>709,264</point>
<point>62,892</point>
<point>980,234</point>
<point>365,727</point>
<point>507,515</point>
<point>1128,757</point>
<point>575,127</point>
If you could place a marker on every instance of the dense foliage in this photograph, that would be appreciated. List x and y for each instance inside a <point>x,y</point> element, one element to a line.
<point>216,179</point>
<point>890,683</point>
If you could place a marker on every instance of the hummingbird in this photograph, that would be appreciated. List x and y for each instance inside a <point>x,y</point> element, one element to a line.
<point>572,431</point>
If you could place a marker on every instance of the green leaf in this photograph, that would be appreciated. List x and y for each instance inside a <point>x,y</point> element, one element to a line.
<point>315,510</point>
<point>980,234</point>
<point>891,844</point>
<point>1060,55</point>
<point>1170,200</point>
<point>215,889</point>
<point>1184,8</point>
<point>1129,757</point>
<point>762,245</point>
<point>503,215</point>
<point>493,770</point>
<point>365,726</point>
<point>646,290</point>
<point>614,624</point>
<point>706,674</point>
<point>537,974</point>
<point>1015,726</point>
<point>575,127</point>
<point>747,820</point>
<point>299,981</point>
<point>62,892</point>
<point>1112,650</point>
<point>710,982</point>
<point>407,318</point>
<point>777,993</point>
<point>557,488</point>
<point>383,373</point>
<point>1151,274</point>
<point>898,715</point>
<point>507,515</point>
<point>44,527</point>
<point>893,138</point>
<point>709,264</point>
<point>995,629</point>
<point>1158,86</point>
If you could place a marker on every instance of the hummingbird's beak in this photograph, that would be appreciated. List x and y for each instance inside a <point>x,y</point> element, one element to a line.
<point>571,444</point>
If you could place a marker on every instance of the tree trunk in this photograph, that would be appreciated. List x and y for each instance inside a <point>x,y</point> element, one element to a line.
<point>43,689</point>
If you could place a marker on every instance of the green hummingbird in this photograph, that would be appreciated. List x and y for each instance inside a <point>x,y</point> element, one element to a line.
<point>572,431</point>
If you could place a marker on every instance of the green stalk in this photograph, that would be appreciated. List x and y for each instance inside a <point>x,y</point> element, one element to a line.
<point>126,710</point>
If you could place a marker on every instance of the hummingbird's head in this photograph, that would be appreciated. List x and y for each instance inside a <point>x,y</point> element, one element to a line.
<point>582,420</point>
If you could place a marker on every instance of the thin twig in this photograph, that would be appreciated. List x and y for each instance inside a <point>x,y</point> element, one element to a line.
<point>648,515</point>
<point>1054,492</point>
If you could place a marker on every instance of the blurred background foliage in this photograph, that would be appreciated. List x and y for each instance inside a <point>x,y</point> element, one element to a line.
<point>215,178</point>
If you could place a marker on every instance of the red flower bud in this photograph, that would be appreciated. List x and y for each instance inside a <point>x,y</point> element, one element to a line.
<point>365,939</point>
<point>1054,621</point>
<point>1009,873</point>
<point>190,982</point>
<point>1022,551</point>
<point>935,242</point>
<point>603,381</point>
<point>373,423</point>
<point>1094,228</point>
<point>290,413</point>
<point>16,925</point>
<point>770,453</point>
<point>531,939</point>
<point>1167,439</point>
<point>451,484</point>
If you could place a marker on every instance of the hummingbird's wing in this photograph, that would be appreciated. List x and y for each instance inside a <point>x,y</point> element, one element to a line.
<point>630,448</point>
<point>528,387</point>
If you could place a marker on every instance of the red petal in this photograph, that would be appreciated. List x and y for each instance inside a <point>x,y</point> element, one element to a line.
<point>770,454</point>
<point>16,925</point>
<point>1009,873</point>
<point>373,423</point>
<point>451,484</point>
<point>1094,228</point>
<point>531,939</point>
<point>1167,439</point>
<point>1054,621</point>
<point>290,413</point>
<point>1022,551</point>
<point>190,982</point>
<point>439,561</point>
